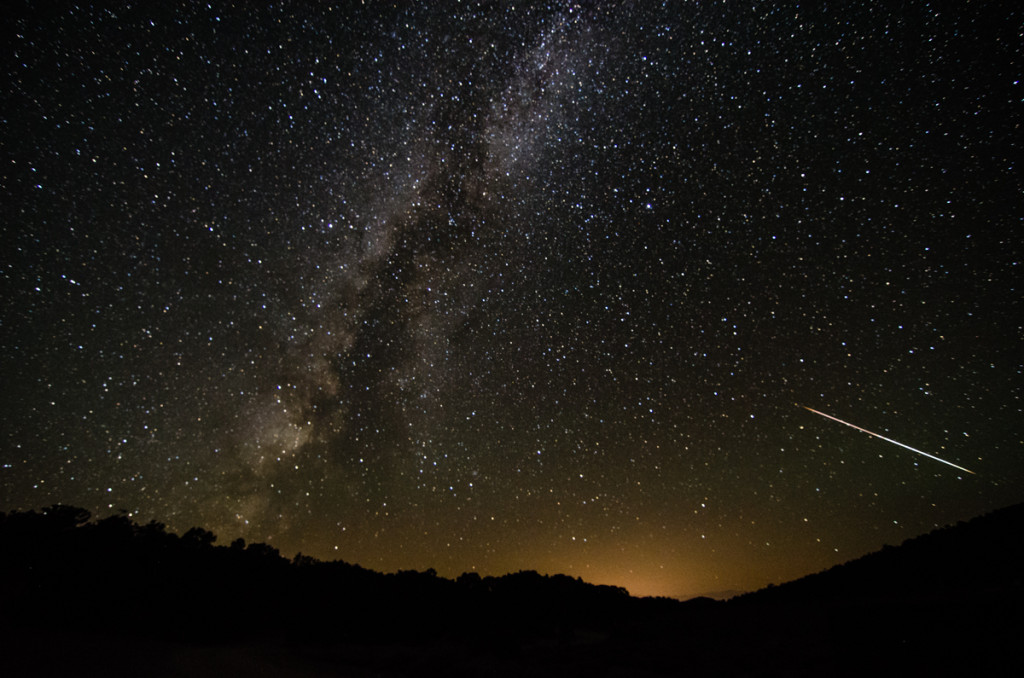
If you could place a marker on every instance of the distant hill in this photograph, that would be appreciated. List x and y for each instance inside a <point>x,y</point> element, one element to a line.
<point>110,597</point>
<point>979,557</point>
<point>714,595</point>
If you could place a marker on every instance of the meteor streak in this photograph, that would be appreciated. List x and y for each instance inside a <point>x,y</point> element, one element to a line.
<point>888,440</point>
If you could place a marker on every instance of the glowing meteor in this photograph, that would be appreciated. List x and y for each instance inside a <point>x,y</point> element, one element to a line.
<point>888,440</point>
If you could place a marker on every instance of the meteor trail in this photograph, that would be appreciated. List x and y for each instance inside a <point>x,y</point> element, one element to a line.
<point>888,440</point>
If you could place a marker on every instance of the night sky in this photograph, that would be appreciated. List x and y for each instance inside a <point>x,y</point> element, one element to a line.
<point>496,286</point>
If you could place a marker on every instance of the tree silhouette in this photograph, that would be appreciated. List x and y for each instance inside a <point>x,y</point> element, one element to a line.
<point>198,537</point>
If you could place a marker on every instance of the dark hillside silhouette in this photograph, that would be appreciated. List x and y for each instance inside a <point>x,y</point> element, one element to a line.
<point>110,597</point>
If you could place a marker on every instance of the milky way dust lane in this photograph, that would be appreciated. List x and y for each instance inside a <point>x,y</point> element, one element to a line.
<point>888,440</point>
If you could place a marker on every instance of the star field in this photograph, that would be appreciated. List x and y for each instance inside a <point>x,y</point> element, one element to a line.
<point>495,286</point>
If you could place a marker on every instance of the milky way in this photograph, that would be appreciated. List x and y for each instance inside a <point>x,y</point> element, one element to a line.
<point>483,286</point>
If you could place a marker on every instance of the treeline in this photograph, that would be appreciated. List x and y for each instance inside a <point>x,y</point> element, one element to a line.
<point>61,570</point>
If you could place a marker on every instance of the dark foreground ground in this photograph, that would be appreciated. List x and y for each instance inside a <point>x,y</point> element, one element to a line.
<point>872,637</point>
<point>720,649</point>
